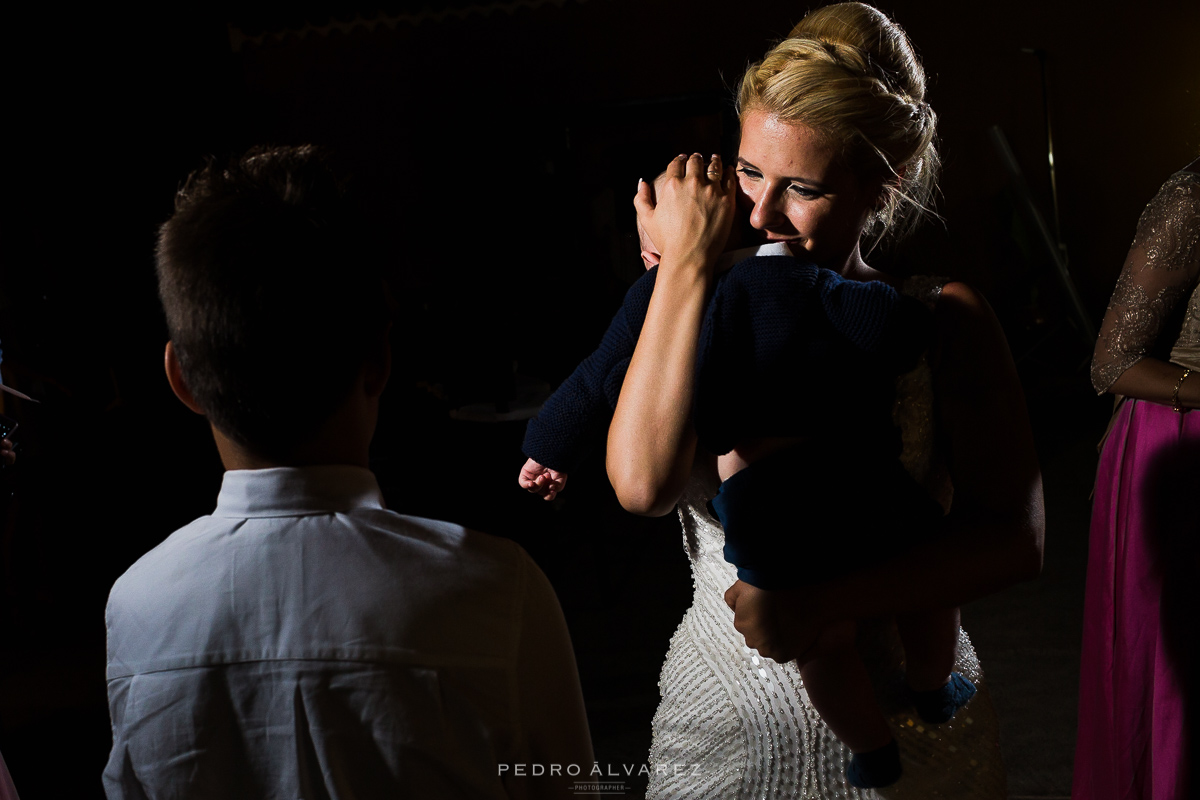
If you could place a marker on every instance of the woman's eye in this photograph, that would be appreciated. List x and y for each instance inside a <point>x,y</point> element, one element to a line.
<point>805,192</point>
<point>749,173</point>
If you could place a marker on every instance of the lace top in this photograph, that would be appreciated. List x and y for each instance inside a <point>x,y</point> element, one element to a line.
<point>1146,316</point>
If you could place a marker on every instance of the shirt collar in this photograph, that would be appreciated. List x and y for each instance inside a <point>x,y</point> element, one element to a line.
<point>296,491</point>
<point>727,260</point>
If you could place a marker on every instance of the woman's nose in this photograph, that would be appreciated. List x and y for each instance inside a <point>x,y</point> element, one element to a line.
<point>767,211</point>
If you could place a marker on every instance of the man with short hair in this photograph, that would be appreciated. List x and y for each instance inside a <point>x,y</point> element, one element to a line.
<point>302,641</point>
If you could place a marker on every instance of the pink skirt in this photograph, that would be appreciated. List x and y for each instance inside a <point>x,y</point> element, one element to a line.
<point>1138,641</point>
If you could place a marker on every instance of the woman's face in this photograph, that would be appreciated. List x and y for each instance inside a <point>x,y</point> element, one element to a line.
<point>796,190</point>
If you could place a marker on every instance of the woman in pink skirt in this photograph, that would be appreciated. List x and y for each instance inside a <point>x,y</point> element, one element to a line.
<point>1136,683</point>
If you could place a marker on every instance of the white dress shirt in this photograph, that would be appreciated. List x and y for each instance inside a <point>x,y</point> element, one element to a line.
<point>304,642</point>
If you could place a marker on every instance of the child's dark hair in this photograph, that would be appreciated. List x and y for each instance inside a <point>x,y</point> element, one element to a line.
<point>272,298</point>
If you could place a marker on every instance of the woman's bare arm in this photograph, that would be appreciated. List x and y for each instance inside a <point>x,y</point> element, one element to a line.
<point>993,535</point>
<point>651,442</point>
<point>998,512</point>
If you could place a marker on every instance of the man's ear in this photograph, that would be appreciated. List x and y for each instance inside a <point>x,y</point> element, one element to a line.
<point>175,378</point>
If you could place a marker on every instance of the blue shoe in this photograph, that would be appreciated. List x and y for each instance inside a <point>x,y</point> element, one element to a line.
<point>875,768</point>
<point>940,705</point>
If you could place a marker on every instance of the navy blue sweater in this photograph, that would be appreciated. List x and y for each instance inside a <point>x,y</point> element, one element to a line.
<point>785,347</point>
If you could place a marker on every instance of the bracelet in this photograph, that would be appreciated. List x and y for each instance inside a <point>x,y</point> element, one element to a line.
<point>1175,394</point>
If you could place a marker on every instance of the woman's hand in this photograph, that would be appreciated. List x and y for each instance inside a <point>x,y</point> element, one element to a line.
<point>688,212</point>
<point>786,625</point>
<point>765,619</point>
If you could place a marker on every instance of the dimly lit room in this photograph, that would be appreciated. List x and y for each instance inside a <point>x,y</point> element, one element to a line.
<point>494,149</point>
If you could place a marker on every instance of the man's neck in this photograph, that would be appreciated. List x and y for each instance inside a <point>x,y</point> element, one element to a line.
<point>313,453</point>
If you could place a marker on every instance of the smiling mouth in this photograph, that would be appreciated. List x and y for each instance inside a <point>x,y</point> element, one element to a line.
<point>754,235</point>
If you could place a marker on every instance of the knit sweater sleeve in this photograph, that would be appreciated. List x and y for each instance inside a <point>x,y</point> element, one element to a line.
<point>578,413</point>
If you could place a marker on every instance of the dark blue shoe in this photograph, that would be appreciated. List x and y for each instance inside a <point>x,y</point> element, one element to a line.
<point>876,768</point>
<point>940,705</point>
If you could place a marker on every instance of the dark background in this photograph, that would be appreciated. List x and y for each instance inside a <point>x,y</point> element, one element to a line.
<point>500,145</point>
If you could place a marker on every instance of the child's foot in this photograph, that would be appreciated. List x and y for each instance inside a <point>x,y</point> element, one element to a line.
<point>875,768</point>
<point>940,705</point>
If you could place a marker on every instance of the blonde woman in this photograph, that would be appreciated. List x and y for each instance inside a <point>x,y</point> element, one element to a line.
<point>837,149</point>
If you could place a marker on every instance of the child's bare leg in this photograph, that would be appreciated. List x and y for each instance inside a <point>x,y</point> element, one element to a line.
<point>840,689</point>
<point>930,639</point>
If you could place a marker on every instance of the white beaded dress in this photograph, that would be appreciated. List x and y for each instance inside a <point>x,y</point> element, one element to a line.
<point>732,724</point>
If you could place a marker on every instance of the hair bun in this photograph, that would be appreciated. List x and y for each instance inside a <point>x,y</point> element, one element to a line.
<point>885,46</point>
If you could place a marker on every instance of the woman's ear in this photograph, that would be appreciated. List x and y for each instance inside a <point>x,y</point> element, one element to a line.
<point>881,198</point>
<point>175,378</point>
<point>893,181</point>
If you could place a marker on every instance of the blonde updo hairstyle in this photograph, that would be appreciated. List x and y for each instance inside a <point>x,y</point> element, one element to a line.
<point>850,74</point>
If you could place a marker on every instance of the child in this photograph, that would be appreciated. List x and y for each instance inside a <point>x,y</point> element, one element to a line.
<point>780,337</point>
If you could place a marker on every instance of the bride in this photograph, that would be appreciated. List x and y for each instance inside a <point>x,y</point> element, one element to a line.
<point>836,147</point>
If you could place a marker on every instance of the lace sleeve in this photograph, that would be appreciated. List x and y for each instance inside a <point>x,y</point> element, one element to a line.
<point>1161,269</point>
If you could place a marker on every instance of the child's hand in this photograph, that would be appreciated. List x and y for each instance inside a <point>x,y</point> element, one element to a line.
<point>542,481</point>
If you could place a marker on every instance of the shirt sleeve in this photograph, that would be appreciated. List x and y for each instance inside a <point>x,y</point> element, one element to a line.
<point>549,699</point>
<point>579,410</point>
<point>1160,271</point>
<point>6,784</point>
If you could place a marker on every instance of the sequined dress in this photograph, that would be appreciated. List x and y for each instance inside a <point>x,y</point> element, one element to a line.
<point>734,725</point>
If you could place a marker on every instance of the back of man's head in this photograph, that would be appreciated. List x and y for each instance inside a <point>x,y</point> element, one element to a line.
<point>272,300</point>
